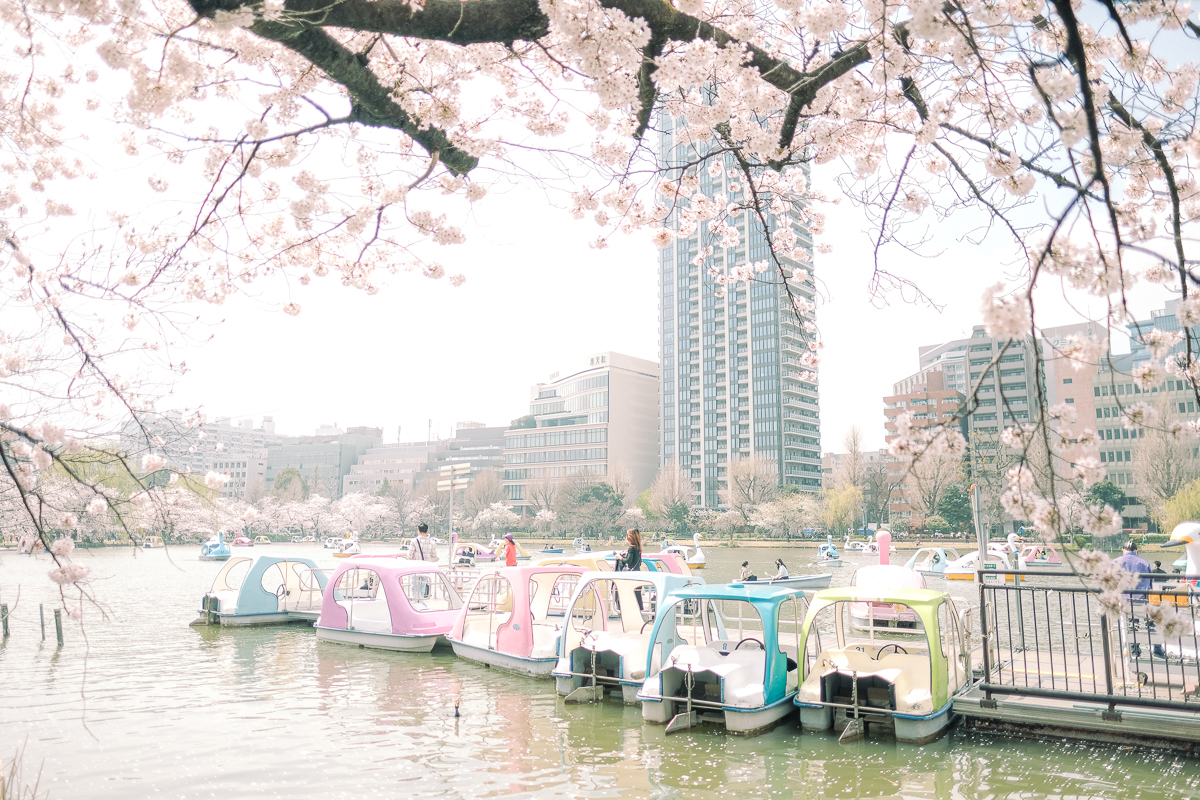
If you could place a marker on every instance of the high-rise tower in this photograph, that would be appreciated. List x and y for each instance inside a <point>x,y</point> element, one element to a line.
<point>731,355</point>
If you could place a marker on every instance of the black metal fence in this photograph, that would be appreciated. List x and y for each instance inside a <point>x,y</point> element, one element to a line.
<point>1047,634</point>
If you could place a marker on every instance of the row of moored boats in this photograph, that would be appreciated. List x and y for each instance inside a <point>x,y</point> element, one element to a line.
<point>885,650</point>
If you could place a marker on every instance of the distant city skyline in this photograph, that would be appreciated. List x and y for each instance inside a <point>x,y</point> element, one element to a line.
<point>421,350</point>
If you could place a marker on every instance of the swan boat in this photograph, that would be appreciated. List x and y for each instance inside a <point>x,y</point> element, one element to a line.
<point>607,638</point>
<point>724,654</point>
<point>932,560</point>
<point>693,556</point>
<point>885,616</point>
<point>964,568</point>
<point>827,554</point>
<point>215,549</point>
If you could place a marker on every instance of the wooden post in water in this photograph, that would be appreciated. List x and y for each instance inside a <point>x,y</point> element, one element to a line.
<point>58,625</point>
<point>4,618</point>
<point>42,614</point>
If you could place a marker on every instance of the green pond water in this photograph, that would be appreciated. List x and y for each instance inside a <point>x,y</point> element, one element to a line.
<point>140,705</point>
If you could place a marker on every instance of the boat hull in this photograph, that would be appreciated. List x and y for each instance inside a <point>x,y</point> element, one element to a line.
<point>828,562</point>
<point>742,722</point>
<point>224,557</point>
<point>399,643</point>
<point>820,581</point>
<point>907,729</point>
<point>533,667</point>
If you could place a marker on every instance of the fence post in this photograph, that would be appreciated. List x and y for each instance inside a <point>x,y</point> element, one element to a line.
<point>1106,649</point>
<point>42,615</point>
<point>983,632</point>
<point>4,618</point>
<point>58,625</point>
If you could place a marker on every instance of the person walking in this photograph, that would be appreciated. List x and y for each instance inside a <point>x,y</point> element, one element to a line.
<point>421,547</point>
<point>1130,561</point>
<point>510,550</point>
<point>631,559</point>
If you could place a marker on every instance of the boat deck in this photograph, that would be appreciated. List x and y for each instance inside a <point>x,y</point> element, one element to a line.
<point>1025,680</point>
<point>1078,719</point>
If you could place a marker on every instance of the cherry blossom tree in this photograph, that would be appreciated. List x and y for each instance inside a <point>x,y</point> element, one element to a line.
<point>346,141</point>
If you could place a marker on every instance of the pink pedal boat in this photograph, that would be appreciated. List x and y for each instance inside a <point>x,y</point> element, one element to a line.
<point>389,604</point>
<point>513,618</point>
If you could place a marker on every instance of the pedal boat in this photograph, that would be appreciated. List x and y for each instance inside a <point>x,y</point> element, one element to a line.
<point>671,563</point>
<point>595,562</point>
<point>724,654</point>
<point>263,590</point>
<point>932,560</point>
<point>607,637</point>
<point>513,618</point>
<point>903,684</point>
<point>388,604</point>
<point>827,554</point>
<point>886,617</point>
<point>1039,556</point>
<point>693,556</point>
<point>964,568</point>
<point>215,549</point>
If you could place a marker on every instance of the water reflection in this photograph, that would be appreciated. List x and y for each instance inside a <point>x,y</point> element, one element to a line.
<point>209,712</point>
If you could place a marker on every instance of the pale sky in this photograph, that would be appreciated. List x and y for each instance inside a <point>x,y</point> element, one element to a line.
<point>537,297</point>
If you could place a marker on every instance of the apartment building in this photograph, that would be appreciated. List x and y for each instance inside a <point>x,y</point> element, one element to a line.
<point>236,449</point>
<point>323,461</point>
<point>731,354</point>
<point>927,402</point>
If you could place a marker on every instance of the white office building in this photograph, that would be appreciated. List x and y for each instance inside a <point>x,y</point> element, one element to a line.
<point>586,420</point>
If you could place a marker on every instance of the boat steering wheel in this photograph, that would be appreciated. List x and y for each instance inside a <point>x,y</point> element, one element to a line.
<point>761,646</point>
<point>644,624</point>
<point>280,591</point>
<point>899,649</point>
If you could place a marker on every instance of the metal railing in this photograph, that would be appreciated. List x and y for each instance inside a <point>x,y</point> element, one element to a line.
<point>1058,641</point>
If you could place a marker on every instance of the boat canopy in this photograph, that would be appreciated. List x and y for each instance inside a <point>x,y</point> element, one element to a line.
<point>617,602</point>
<point>722,618</point>
<point>388,595</point>
<point>943,639</point>
<point>266,584</point>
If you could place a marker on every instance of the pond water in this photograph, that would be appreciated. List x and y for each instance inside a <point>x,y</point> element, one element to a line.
<point>142,705</point>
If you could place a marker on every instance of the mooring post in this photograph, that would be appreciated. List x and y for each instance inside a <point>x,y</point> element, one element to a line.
<point>42,614</point>
<point>4,618</point>
<point>58,625</point>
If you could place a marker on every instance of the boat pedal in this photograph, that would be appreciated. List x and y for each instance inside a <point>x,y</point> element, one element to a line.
<point>683,721</point>
<point>585,694</point>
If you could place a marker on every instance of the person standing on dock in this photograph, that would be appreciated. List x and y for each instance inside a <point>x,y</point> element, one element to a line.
<point>631,559</point>
<point>1130,561</point>
<point>421,547</point>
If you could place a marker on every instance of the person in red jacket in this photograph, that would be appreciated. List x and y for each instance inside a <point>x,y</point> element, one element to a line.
<point>510,551</point>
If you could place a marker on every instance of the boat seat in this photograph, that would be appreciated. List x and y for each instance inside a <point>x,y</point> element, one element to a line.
<point>227,600</point>
<point>545,640</point>
<point>909,673</point>
<point>372,616</point>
